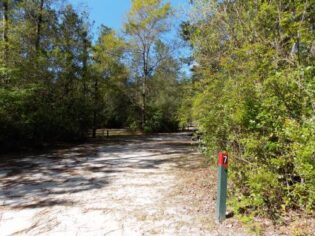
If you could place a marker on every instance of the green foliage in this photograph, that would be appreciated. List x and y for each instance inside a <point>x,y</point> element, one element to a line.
<point>254,95</point>
<point>147,17</point>
<point>57,86</point>
<point>111,82</point>
<point>43,75</point>
<point>147,22</point>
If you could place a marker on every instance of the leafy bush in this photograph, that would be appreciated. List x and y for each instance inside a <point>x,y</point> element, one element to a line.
<point>254,96</point>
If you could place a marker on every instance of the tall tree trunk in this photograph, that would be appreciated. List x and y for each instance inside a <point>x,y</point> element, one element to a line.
<point>94,124</point>
<point>144,88</point>
<point>39,26</point>
<point>143,108</point>
<point>5,6</point>
<point>95,108</point>
<point>85,62</point>
<point>5,21</point>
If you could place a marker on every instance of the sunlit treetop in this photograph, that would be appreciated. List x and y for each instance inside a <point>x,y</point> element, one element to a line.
<point>147,14</point>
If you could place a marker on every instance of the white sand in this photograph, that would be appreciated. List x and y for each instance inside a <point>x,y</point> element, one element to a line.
<point>110,189</point>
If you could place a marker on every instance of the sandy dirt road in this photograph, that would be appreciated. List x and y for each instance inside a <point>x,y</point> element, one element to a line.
<point>152,185</point>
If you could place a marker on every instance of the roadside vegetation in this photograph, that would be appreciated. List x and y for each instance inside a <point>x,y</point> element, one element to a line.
<point>252,94</point>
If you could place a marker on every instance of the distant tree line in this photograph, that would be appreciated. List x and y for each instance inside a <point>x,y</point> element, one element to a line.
<point>56,84</point>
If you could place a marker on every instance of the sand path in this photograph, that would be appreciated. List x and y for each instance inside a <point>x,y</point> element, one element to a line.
<point>152,185</point>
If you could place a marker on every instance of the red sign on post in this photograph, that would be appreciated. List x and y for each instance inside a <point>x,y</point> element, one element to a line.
<point>223,159</point>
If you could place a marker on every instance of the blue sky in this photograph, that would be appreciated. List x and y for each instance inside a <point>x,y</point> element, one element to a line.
<point>110,12</point>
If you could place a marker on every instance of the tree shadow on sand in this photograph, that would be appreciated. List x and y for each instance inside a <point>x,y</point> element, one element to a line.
<point>38,181</point>
<point>44,180</point>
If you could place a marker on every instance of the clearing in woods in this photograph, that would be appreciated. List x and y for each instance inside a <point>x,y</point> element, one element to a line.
<point>140,185</point>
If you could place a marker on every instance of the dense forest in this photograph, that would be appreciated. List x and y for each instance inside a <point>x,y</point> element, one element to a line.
<point>57,84</point>
<point>251,89</point>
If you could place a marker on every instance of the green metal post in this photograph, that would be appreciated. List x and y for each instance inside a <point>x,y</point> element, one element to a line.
<point>222,187</point>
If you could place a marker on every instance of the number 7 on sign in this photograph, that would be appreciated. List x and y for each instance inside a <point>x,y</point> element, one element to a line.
<point>225,160</point>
